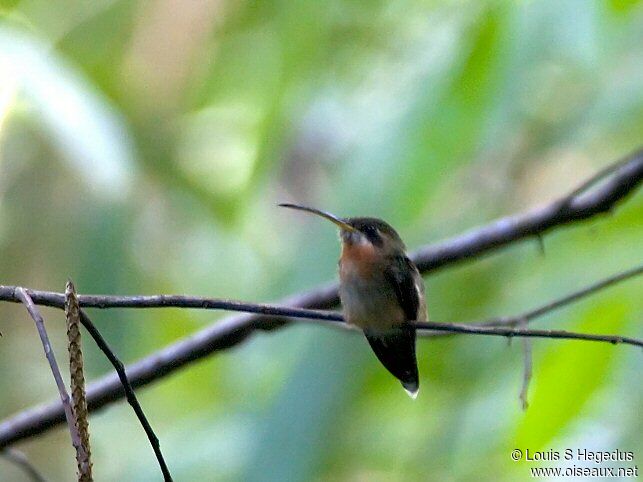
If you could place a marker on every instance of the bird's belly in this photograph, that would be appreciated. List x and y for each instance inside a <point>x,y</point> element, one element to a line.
<point>371,306</point>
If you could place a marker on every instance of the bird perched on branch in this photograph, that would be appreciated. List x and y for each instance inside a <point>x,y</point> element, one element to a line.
<point>381,291</point>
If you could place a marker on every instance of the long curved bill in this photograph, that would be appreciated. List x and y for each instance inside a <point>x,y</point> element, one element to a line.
<point>332,218</point>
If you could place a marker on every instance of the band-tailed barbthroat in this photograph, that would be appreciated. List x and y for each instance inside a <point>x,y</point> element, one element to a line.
<point>381,291</point>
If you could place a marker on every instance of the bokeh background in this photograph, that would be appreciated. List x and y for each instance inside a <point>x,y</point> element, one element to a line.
<point>144,145</point>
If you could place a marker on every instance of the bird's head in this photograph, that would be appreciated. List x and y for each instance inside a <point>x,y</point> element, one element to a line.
<point>361,232</point>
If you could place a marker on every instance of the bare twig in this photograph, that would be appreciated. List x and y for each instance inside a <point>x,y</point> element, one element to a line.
<point>472,329</point>
<point>79,403</point>
<point>49,353</point>
<point>601,175</point>
<point>20,459</point>
<point>624,179</point>
<point>565,300</point>
<point>279,312</point>
<point>128,390</point>
<point>527,369</point>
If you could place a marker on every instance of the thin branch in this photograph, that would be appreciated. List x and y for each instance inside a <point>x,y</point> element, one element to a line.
<point>598,177</point>
<point>565,300</point>
<point>495,327</point>
<point>128,390</point>
<point>306,315</point>
<point>54,299</point>
<point>20,460</point>
<point>24,297</point>
<point>508,332</point>
<point>624,180</point>
<point>527,369</point>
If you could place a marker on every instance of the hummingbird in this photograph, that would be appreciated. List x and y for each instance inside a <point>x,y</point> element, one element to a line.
<point>381,291</point>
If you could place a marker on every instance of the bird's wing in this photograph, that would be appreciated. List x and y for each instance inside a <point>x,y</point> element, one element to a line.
<point>396,348</point>
<point>409,288</point>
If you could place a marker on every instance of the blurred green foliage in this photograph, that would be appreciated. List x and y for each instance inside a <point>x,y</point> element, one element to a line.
<point>143,146</point>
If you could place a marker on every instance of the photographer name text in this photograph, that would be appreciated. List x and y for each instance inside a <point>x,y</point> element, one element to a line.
<point>582,455</point>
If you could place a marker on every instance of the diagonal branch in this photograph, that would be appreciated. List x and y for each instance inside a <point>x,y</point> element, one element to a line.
<point>583,203</point>
<point>625,176</point>
<point>532,314</point>
<point>20,460</point>
<point>128,390</point>
<point>51,358</point>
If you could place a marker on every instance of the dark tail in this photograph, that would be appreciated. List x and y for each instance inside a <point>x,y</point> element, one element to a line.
<point>396,351</point>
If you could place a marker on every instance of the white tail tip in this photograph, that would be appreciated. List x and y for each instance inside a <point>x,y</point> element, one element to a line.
<point>413,394</point>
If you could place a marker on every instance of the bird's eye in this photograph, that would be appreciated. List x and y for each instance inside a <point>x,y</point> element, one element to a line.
<point>373,234</point>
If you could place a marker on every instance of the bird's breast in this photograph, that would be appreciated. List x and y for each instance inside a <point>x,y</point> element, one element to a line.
<point>368,299</point>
